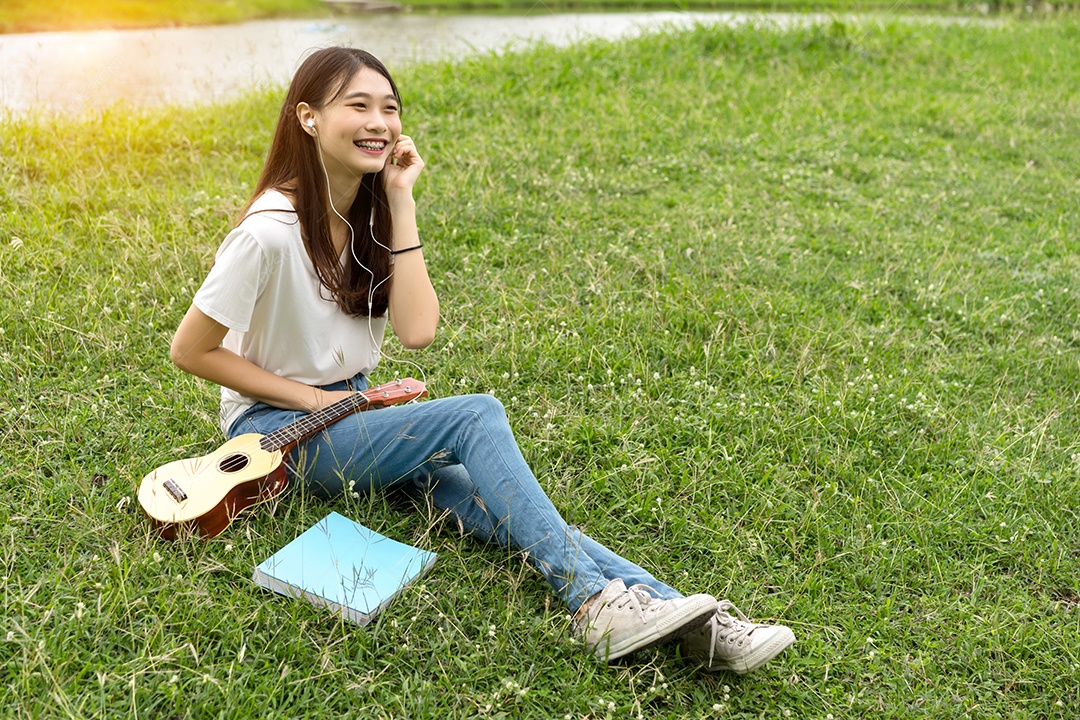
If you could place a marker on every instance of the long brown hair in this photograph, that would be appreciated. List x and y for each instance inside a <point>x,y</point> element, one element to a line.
<point>293,166</point>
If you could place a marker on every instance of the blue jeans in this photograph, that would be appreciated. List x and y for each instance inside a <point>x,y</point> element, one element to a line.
<point>461,453</point>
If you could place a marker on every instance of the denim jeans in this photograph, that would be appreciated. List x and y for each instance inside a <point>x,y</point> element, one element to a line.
<point>461,453</point>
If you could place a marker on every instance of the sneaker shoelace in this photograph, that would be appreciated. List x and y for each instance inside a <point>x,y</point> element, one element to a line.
<point>727,628</point>
<point>640,597</point>
<point>636,595</point>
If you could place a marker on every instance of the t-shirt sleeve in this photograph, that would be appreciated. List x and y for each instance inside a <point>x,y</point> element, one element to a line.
<point>235,281</point>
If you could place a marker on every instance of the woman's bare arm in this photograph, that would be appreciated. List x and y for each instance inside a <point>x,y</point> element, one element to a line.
<point>196,348</point>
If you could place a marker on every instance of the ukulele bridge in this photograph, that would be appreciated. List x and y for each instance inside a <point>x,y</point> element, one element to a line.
<point>175,490</point>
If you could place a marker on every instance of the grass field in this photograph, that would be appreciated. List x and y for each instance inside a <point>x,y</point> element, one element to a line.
<point>794,322</point>
<point>40,15</point>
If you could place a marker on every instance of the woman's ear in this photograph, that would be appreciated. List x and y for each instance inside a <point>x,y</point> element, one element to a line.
<point>306,116</point>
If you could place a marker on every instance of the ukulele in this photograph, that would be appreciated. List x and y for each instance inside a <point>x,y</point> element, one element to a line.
<point>204,494</point>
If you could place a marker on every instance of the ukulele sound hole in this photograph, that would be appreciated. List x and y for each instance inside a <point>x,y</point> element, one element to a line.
<point>233,463</point>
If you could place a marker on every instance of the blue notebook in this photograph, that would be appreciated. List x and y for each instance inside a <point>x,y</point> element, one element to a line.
<point>344,566</point>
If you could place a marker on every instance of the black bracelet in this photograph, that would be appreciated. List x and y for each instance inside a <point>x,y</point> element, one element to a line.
<point>405,250</point>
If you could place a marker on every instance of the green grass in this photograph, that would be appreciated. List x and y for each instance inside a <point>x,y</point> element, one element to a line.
<point>794,321</point>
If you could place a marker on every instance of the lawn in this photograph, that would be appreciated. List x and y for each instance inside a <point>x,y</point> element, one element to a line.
<point>794,321</point>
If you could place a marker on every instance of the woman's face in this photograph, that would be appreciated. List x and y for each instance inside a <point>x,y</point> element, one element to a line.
<point>358,129</point>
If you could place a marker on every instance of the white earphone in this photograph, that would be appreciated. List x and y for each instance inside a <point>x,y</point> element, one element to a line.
<point>310,124</point>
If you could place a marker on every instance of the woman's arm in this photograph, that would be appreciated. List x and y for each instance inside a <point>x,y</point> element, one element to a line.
<point>414,306</point>
<point>196,348</point>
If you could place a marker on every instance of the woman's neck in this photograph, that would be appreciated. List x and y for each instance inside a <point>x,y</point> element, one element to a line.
<point>343,193</point>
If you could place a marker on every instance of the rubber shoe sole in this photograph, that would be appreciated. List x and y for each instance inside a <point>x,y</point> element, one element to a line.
<point>782,638</point>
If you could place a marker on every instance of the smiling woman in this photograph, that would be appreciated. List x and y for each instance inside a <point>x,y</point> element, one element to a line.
<point>291,318</point>
<point>38,15</point>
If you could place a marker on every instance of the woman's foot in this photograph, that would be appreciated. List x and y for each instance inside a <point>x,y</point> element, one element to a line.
<point>735,643</point>
<point>620,620</point>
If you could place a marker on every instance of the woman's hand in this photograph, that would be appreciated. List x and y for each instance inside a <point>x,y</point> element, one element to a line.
<point>326,398</point>
<point>403,167</point>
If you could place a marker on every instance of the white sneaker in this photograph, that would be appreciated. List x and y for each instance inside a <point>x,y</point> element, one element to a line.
<point>621,620</point>
<point>736,644</point>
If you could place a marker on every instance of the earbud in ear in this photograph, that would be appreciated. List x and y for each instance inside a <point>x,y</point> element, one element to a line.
<point>310,123</point>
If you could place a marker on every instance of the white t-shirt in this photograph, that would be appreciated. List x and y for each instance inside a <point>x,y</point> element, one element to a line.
<point>264,288</point>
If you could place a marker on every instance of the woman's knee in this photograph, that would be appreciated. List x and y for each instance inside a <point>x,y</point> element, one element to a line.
<point>486,406</point>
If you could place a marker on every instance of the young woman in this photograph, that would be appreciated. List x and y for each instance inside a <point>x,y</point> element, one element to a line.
<point>291,317</point>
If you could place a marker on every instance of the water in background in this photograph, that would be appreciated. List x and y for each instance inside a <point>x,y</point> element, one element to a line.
<point>74,71</point>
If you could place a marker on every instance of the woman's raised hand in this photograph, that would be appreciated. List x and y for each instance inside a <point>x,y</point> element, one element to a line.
<point>404,166</point>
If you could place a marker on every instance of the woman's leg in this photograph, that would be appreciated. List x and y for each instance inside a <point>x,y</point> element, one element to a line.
<point>452,489</point>
<point>616,566</point>
<point>379,448</point>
